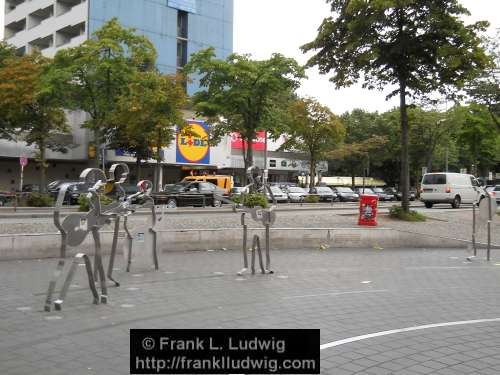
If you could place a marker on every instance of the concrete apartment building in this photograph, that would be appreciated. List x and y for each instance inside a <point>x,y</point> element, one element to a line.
<point>177,28</point>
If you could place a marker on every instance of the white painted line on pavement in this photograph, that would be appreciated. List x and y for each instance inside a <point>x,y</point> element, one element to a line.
<point>337,293</point>
<point>401,330</point>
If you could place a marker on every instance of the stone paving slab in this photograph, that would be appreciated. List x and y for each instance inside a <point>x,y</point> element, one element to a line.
<point>344,293</point>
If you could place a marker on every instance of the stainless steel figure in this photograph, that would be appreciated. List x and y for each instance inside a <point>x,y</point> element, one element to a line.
<point>75,227</point>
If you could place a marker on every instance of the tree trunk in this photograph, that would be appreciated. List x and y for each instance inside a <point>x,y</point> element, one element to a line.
<point>245,162</point>
<point>138,166</point>
<point>353,177</point>
<point>158,162</point>
<point>405,175</point>
<point>312,172</point>
<point>43,171</point>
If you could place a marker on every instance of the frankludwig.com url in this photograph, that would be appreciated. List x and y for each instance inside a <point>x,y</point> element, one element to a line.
<point>184,363</point>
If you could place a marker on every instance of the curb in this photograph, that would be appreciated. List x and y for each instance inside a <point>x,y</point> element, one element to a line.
<point>21,246</point>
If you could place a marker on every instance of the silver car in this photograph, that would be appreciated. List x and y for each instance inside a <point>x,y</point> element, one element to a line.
<point>278,194</point>
<point>296,194</point>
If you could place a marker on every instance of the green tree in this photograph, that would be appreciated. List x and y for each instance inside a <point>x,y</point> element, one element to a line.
<point>242,95</point>
<point>18,80</point>
<point>418,46</point>
<point>478,139</point>
<point>32,113</point>
<point>312,129</point>
<point>148,114</point>
<point>485,89</point>
<point>92,76</point>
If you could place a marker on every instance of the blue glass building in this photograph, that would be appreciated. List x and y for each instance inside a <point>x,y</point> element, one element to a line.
<point>177,28</point>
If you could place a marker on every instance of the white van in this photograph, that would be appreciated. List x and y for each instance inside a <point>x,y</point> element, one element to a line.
<point>453,188</point>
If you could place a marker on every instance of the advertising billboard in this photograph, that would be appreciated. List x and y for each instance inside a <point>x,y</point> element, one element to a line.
<point>192,147</point>
<point>258,144</point>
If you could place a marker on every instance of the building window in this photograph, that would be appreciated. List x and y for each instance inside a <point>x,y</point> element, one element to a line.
<point>182,24</point>
<point>283,163</point>
<point>181,53</point>
<point>272,163</point>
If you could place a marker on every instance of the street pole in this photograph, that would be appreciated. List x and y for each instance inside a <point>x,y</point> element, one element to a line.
<point>446,159</point>
<point>265,159</point>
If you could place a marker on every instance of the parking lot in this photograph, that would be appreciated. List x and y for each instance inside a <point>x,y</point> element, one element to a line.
<point>380,311</point>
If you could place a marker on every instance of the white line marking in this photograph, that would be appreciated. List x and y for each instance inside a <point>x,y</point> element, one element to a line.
<point>366,282</point>
<point>401,330</point>
<point>338,293</point>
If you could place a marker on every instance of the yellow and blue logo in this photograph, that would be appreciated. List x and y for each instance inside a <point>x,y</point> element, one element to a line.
<point>192,144</point>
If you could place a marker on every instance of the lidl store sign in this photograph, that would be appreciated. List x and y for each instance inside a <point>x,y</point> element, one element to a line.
<point>192,144</point>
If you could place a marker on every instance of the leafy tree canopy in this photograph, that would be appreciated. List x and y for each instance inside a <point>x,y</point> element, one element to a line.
<point>240,94</point>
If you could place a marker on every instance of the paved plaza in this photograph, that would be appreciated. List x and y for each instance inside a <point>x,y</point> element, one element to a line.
<point>345,293</point>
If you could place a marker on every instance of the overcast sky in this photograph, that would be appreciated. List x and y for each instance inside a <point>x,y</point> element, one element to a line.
<point>262,27</point>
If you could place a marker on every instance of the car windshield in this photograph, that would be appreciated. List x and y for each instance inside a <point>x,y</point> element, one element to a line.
<point>378,190</point>
<point>324,190</point>
<point>344,190</point>
<point>366,191</point>
<point>434,179</point>
<point>294,189</point>
<point>276,190</point>
<point>181,186</point>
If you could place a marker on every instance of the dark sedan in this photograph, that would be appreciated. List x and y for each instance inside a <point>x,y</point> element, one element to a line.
<point>73,192</point>
<point>189,193</point>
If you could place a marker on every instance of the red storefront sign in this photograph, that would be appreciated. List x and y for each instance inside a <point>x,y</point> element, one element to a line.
<point>258,144</point>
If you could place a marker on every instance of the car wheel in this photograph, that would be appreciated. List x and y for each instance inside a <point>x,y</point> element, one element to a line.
<point>217,203</point>
<point>171,203</point>
<point>428,204</point>
<point>456,202</point>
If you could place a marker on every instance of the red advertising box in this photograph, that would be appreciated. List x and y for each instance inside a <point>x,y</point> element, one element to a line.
<point>368,209</point>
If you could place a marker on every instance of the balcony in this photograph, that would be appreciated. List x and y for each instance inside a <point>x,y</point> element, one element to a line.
<point>66,34</point>
<point>65,6</point>
<point>10,5</point>
<point>14,27</point>
<point>40,15</point>
<point>42,43</point>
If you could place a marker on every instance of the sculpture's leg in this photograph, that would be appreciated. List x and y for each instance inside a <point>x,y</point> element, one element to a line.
<point>58,271</point>
<point>129,244</point>
<point>255,245</point>
<point>99,266</point>
<point>261,261</point>
<point>154,250</point>
<point>245,240</point>
<point>113,251</point>
<point>268,249</point>
<point>52,285</point>
<point>71,274</point>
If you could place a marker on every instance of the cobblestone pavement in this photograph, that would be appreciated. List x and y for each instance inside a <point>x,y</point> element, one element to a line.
<point>344,293</point>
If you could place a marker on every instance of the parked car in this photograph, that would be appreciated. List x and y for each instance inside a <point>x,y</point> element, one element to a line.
<point>453,188</point>
<point>237,191</point>
<point>189,193</point>
<point>494,192</point>
<point>399,195</point>
<point>5,197</point>
<point>31,188</point>
<point>284,185</point>
<point>345,194</point>
<point>325,193</point>
<point>296,194</point>
<point>278,194</point>
<point>365,190</point>
<point>73,192</point>
<point>222,181</point>
<point>383,195</point>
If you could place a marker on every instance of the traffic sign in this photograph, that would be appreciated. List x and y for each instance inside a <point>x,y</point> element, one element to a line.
<point>23,160</point>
